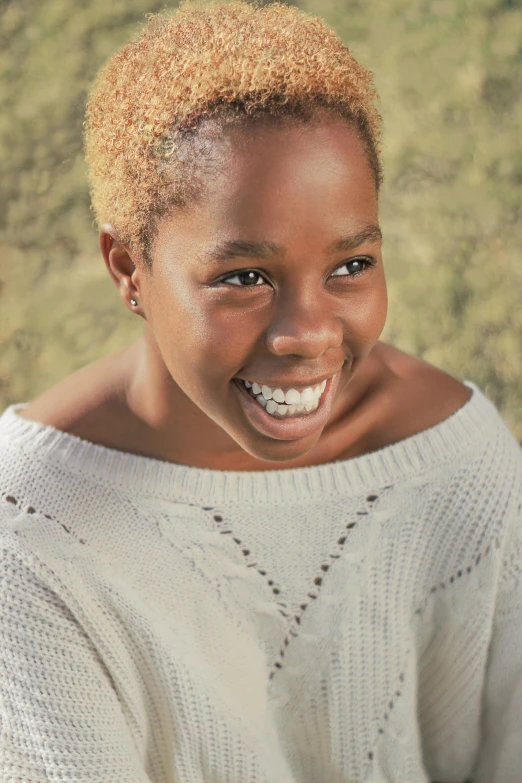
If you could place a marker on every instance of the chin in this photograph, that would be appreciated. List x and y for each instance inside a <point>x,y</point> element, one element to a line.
<point>279,451</point>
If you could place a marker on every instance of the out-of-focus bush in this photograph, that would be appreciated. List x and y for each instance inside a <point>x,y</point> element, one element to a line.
<point>449,73</point>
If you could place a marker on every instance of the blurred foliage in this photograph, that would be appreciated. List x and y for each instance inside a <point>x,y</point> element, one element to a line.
<point>449,73</point>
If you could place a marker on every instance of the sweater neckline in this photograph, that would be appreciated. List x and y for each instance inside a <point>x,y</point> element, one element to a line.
<point>147,476</point>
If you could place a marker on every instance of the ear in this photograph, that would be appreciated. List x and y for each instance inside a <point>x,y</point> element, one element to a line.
<point>120,265</point>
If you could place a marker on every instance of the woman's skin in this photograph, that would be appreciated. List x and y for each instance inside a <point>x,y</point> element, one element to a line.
<point>172,394</point>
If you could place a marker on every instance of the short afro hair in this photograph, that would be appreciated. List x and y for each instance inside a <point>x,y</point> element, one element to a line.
<point>209,59</point>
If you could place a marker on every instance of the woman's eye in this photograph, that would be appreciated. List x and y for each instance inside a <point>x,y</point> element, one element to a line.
<point>247,278</point>
<point>250,278</point>
<point>359,266</point>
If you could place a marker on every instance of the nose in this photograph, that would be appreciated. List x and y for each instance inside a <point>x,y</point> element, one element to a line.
<point>304,326</point>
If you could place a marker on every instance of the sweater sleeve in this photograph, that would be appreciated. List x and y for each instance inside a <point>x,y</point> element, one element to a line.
<point>500,756</point>
<point>60,717</point>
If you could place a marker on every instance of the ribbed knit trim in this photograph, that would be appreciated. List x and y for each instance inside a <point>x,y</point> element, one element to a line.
<point>473,422</point>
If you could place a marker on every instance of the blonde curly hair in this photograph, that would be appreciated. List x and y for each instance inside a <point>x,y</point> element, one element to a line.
<point>231,61</point>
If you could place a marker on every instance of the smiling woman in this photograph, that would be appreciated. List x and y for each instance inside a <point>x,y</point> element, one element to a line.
<point>284,323</point>
<point>258,543</point>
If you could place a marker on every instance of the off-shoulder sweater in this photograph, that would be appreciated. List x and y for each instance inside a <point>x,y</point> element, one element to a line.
<point>359,620</point>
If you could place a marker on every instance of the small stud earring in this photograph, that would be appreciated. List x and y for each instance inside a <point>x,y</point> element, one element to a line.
<point>133,302</point>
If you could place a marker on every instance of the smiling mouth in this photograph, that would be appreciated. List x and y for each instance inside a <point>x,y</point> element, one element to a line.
<point>281,404</point>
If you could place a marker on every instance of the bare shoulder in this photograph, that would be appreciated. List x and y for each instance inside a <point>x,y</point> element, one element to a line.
<point>84,401</point>
<point>422,395</point>
<point>404,396</point>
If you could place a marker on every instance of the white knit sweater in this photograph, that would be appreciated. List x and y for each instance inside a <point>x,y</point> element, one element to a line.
<point>348,622</point>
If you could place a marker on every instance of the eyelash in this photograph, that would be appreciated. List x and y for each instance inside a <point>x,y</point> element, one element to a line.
<point>367,261</point>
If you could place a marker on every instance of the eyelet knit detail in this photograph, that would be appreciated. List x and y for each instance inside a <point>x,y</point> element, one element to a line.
<point>461,572</point>
<point>224,529</point>
<point>31,510</point>
<point>294,626</point>
<point>389,707</point>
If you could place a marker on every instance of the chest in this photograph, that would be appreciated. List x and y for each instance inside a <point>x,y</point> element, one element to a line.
<point>307,646</point>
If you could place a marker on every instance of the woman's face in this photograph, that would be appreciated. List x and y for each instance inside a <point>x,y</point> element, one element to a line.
<point>274,278</point>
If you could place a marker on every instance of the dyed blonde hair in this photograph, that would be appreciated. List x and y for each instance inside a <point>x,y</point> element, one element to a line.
<point>209,59</point>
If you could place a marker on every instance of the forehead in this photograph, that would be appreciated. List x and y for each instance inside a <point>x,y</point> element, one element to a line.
<point>289,160</point>
<point>272,182</point>
<point>265,150</point>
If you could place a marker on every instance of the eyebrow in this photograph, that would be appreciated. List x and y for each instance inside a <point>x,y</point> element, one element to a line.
<point>245,248</point>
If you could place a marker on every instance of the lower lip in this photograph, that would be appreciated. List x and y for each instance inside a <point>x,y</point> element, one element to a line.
<point>296,426</point>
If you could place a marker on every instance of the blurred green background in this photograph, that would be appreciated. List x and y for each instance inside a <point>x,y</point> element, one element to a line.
<point>449,73</point>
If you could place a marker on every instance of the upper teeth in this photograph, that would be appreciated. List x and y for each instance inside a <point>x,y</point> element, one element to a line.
<point>290,397</point>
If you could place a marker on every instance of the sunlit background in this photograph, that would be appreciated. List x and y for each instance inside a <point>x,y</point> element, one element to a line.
<point>449,73</point>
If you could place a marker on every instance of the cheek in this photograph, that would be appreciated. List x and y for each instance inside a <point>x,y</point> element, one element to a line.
<point>227,336</point>
<point>377,308</point>
<point>202,339</point>
<point>365,316</point>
